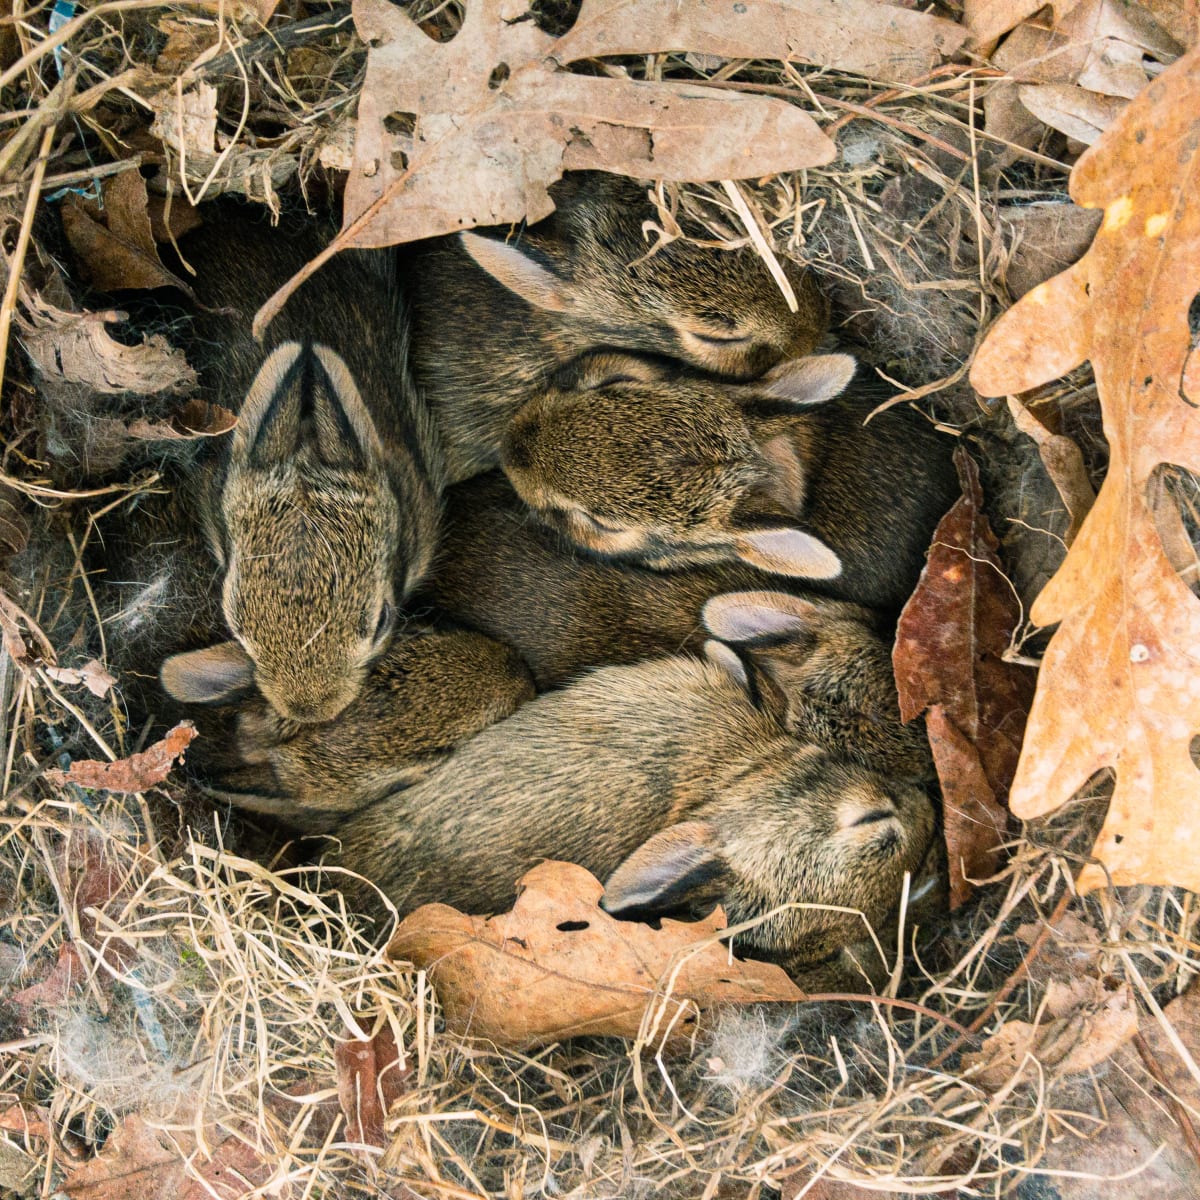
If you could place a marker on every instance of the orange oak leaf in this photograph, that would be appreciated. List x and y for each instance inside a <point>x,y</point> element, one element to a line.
<point>559,966</point>
<point>1120,683</point>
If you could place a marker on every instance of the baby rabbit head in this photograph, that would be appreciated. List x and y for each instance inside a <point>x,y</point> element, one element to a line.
<point>813,843</point>
<point>590,261</point>
<point>632,460</point>
<point>307,530</point>
<point>823,671</point>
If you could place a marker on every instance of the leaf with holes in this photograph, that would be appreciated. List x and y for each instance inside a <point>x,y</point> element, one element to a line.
<point>559,966</point>
<point>1120,683</point>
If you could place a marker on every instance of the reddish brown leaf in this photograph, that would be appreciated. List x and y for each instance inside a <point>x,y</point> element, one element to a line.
<point>950,641</point>
<point>975,825</point>
<point>559,966</point>
<point>1120,682</point>
<point>370,1078</point>
<point>135,773</point>
<point>115,242</point>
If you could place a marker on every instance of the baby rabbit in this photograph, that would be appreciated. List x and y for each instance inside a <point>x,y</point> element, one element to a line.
<point>431,690</point>
<point>515,579</point>
<point>679,781</point>
<point>323,508</point>
<point>494,318</point>
<point>634,460</point>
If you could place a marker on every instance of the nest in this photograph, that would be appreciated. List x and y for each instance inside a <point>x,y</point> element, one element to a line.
<point>191,978</point>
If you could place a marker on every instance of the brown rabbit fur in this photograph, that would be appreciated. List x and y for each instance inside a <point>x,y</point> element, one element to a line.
<point>323,509</point>
<point>493,319</point>
<point>678,782</point>
<point>431,690</point>
<point>634,459</point>
<point>500,571</point>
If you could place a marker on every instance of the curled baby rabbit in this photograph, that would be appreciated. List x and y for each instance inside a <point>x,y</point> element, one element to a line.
<point>636,460</point>
<point>513,578</point>
<point>430,690</point>
<point>677,781</point>
<point>323,507</point>
<point>496,313</point>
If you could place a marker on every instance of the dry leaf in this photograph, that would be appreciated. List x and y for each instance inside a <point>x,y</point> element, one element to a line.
<point>196,419</point>
<point>472,131</point>
<point>1079,114</point>
<point>1120,683</point>
<point>987,20</point>
<point>558,966</point>
<point>133,774</point>
<point>1063,462</point>
<point>1086,63</point>
<point>138,1162</point>
<point>881,41</point>
<point>948,659</point>
<point>1138,1131</point>
<point>92,675</point>
<point>369,1079</point>
<point>115,241</point>
<point>1088,1023</point>
<point>59,985</point>
<point>1045,238</point>
<point>76,349</point>
<point>14,528</point>
<point>974,822</point>
<point>187,121</point>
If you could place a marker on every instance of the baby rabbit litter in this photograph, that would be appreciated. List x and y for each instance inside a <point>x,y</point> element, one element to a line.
<point>693,553</point>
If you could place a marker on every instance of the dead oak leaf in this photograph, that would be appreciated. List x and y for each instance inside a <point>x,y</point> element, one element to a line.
<point>558,966</point>
<point>370,1076</point>
<point>1120,682</point>
<point>133,774</point>
<point>115,239</point>
<point>474,130</point>
<point>949,664</point>
<point>882,41</point>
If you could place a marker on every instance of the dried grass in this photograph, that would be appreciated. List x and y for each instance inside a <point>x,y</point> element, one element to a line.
<point>216,989</point>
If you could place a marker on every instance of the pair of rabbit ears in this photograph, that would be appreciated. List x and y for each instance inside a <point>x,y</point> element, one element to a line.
<point>305,397</point>
<point>215,675</point>
<point>743,624</point>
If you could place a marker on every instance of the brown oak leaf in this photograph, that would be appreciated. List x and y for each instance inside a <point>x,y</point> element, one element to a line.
<point>1119,685</point>
<point>559,966</point>
<point>197,418</point>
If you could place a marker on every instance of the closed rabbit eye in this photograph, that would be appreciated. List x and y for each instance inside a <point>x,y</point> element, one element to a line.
<point>721,339</point>
<point>383,627</point>
<point>859,814</point>
<point>878,814</point>
<point>597,525</point>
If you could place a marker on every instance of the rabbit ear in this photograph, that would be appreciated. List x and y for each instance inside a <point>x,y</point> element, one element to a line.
<point>787,552</point>
<point>810,380</point>
<point>519,272</point>
<point>680,867</point>
<point>753,616</point>
<point>305,396</point>
<point>208,676</point>
<point>729,660</point>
